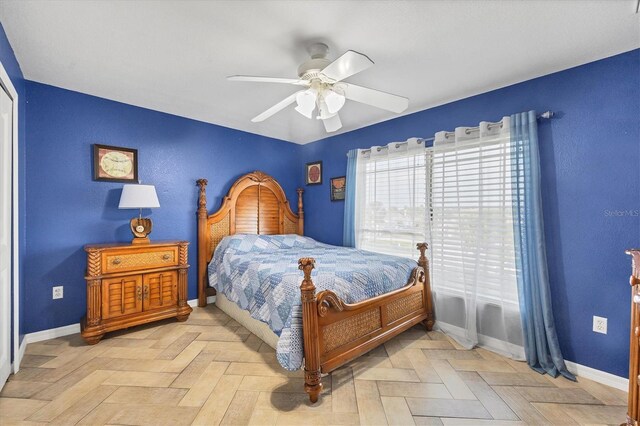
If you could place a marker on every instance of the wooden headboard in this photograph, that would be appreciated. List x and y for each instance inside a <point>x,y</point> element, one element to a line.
<point>255,204</point>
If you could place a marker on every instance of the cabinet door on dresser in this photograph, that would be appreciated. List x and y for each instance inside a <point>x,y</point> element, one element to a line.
<point>160,289</point>
<point>121,296</point>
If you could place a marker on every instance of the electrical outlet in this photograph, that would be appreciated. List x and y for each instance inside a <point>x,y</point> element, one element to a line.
<point>599,324</point>
<point>58,292</point>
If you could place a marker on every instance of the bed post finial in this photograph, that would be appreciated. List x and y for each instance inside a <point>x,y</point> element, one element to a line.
<point>306,265</point>
<point>202,199</point>
<point>424,263</point>
<point>312,382</point>
<point>300,212</point>
<point>202,242</point>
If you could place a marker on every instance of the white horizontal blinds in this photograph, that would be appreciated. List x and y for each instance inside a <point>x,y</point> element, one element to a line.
<point>472,241</point>
<point>470,196</point>
<point>392,206</point>
<point>457,196</point>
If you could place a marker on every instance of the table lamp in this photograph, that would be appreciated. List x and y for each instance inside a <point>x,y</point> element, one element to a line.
<point>139,197</point>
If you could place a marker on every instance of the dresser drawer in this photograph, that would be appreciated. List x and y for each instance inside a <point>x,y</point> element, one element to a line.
<point>139,258</point>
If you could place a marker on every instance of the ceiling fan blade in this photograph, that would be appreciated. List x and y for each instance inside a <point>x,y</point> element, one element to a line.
<point>332,124</point>
<point>257,79</point>
<point>350,63</point>
<point>375,98</point>
<point>276,108</point>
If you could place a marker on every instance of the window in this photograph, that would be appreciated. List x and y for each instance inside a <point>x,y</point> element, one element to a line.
<point>391,210</point>
<point>456,196</point>
<point>471,232</point>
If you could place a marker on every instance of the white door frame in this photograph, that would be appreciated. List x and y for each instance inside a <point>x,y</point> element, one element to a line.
<point>6,83</point>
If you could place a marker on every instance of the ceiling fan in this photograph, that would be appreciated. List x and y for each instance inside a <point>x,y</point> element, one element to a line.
<point>324,88</point>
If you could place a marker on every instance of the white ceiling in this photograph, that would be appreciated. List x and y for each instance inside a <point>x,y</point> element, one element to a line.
<point>173,56</point>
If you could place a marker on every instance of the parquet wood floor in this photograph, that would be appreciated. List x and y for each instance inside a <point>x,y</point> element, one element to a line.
<point>210,370</point>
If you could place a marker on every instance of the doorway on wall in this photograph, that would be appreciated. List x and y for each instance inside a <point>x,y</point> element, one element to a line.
<point>9,258</point>
<point>6,143</point>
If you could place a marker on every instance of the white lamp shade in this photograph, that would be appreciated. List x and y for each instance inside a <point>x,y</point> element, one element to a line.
<point>334,101</point>
<point>138,197</point>
<point>306,102</point>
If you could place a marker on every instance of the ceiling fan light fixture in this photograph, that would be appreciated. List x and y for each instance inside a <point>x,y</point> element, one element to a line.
<point>323,87</point>
<point>323,110</point>
<point>306,101</point>
<point>335,101</point>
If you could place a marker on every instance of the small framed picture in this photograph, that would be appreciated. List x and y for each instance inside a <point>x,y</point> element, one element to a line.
<point>115,164</point>
<point>314,173</point>
<point>338,187</point>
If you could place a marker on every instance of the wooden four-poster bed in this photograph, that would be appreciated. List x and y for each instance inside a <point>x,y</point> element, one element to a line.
<point>334,332</point>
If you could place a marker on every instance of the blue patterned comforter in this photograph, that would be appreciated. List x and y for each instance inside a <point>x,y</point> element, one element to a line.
<point>260,274</point>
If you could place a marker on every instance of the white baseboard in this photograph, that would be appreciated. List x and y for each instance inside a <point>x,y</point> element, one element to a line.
<point>39,336</point>
<point>22,349</point>
<point>15,366</point>
<point>52,333</point>
<point>599,376</point>
<point>194,302</point>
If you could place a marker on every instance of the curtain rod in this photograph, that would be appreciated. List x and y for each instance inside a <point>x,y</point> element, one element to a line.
<point>547,115</point>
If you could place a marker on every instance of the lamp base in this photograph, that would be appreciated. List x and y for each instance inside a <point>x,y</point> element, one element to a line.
<point>141,240</point>
<point>141,228</point>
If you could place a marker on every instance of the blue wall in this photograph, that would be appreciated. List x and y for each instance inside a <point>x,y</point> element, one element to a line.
<point>67,209</point>
<point>11,66</point>
<point>590,169</point>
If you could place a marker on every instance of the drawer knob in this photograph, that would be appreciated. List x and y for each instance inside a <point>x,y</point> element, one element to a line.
<point>117,261</point>
<point>166,257</point>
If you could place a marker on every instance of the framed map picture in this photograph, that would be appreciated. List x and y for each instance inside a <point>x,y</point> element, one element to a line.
<point>338,187</point>
<point>314,173</point>
<point>115,164</point>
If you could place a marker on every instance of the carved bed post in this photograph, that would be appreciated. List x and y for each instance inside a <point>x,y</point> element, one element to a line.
<point>300,212</point>
<point>202,242</point>
<point>424,263</point>
<point>312,383</point>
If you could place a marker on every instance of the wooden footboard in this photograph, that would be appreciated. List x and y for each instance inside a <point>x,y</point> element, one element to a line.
<point>336,332</point>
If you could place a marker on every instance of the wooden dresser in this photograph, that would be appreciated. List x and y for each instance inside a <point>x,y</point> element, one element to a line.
<point>633,413</point>
<point>129,285</point>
